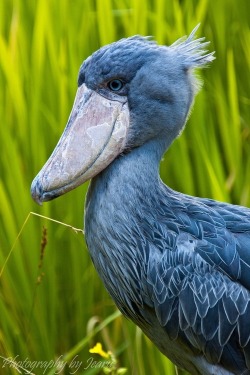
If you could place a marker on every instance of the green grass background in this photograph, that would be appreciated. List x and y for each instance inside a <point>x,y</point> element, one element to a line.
<point>56,306</point>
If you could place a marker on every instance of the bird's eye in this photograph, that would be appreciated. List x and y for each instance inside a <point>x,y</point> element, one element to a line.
<point>115,85</point>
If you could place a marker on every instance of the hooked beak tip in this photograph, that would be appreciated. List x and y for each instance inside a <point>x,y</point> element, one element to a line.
<point>37,192</point>
<point>39,195</point>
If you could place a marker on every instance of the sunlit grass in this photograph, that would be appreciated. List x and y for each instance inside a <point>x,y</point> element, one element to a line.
<point>55,310</point>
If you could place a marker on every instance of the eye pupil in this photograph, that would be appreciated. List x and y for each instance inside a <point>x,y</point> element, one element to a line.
<point>115,85</point>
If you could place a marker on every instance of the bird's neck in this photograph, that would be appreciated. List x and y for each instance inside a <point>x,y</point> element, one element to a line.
<point>118,201</point>
<point>131,174</point>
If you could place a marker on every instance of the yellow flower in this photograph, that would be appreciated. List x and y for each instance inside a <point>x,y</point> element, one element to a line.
<point>97,349</point>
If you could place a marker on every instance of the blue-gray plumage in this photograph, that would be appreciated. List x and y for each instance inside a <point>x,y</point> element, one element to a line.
<point>176,265</point>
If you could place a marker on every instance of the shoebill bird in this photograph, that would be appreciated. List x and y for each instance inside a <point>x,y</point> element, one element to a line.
<point>178,266</point>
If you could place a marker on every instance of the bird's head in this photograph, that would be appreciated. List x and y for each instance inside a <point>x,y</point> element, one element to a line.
<point>129,92</point>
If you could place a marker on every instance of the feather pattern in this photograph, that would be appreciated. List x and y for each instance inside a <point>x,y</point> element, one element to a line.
<point>178,266</point>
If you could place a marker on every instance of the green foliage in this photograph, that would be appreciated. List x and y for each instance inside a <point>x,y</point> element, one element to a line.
<point>52,304</point>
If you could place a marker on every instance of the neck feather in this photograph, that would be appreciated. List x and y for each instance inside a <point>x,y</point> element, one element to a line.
<point>132,173</point>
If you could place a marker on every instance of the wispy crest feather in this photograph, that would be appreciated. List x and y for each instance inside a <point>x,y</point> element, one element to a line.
<point>193,50</point>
